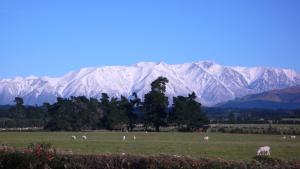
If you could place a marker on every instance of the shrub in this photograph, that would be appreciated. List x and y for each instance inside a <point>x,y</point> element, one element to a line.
<point>37,157</point>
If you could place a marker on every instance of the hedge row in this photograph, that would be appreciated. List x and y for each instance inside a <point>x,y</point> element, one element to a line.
<point>21,160</point>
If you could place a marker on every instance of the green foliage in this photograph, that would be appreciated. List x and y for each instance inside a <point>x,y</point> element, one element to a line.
<point>187,112</point>
<point>156,103</point>
<point>127,107</point>
<point>81,113</point>
<point>76,113</point>
<point>159,85</point>
<point>18,111</point>
<point>35,156</point>
<point>116,114</point>
<point>20,116</point>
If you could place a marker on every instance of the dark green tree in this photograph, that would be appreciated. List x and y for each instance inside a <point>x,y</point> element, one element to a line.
<point>104,100</point>
<point>128,106</point>
<point>34,112</point>
<point>187,112</point>
<point>105,106</point>
<point>116,115</point>
<point>114,112</point>
<point>135,103</point>
<point>81,113</point>
<point>76,113</point>
<point>18,111</point>
<point>96,113</point>
<point>156,103</point>
<point>45,108</point>
<point>60,115</point>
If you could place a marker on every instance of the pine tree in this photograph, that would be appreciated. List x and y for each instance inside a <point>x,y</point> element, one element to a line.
<point>18,111</point>
<point>156,103</point>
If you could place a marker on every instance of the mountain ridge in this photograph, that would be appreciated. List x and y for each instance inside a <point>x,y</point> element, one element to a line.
<point>213,83</point>
<point>287,98</point>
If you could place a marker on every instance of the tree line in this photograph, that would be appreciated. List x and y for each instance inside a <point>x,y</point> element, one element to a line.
<point>252,115</point>
<point>82,113</point>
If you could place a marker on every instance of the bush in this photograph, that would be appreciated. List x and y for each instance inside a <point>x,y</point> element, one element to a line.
<point>42,156</point>
<point>36,156</point>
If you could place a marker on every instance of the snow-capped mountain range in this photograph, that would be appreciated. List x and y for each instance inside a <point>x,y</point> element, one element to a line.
<point>213,83</point>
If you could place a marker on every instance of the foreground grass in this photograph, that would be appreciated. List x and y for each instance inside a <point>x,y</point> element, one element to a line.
<point>226,146</point>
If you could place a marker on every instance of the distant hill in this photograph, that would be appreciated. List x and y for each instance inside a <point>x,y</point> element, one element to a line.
<point>287,98</point>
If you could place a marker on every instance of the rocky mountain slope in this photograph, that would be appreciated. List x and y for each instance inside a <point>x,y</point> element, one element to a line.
<point>213,83</point>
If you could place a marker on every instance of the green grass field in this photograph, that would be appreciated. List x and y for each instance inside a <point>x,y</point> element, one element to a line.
<point>226,146</point>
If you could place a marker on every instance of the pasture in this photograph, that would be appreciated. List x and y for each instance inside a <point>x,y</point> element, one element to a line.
<point>219,145</point>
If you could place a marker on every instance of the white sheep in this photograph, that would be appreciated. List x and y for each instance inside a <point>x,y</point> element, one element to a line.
<point>70,152</point>
<point>265,150</point>
<point>74,137</point>
<point>84,137</point>
<point>206,138</point>
<point>293,137</point>
<point>283,137</point>
<point>124,138</point>
<point>134,138</point>
<point>176,156</point>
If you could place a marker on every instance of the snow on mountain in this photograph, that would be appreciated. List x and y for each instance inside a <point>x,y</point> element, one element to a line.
<point>213,83</point>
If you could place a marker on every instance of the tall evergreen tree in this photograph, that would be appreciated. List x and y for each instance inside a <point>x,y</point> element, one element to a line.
<point>156,103</point>
<point>128,107</point>
<point>96,113</point>
<point>135,103</point>
<point>114,112</point>
<point>45,109</point>
<point>59,114</point>
<point>80,116</point>
<point>116,115</point>
<point>18,111</point>
<point>105,106</point>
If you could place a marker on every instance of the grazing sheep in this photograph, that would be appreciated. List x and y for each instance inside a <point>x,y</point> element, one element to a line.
<point>134,138</point>
<point>124,138</point>
<point>70,152</point>
<point>74,137</point>
<point>84,137</point>
<point>265,150</point>
<point>283,137</point>
<point>176,156</point>
<point>206,138</point>
<point>293,137</point>
<point>146,132</point>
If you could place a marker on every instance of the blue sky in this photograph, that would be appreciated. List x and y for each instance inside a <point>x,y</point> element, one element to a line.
<point>52,37</point>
